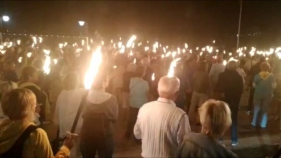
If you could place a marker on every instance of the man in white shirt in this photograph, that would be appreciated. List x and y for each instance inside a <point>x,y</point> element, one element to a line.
<point>160,124</point>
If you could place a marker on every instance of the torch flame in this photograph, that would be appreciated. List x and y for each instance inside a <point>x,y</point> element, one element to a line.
<point>18,42</point>
<point>46,66</point>
<point>153,77</point>
<point>47,52</point>
<point>34,40</point>
<point>135,61</point>
<point>93,68</point>
<point>40,39</point>
<point>131,40</point>
<point>171,72</point>
<point>29,54</point>
<point>20,59</point>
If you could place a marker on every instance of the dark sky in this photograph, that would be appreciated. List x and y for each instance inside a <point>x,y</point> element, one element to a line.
<point>160,19</point>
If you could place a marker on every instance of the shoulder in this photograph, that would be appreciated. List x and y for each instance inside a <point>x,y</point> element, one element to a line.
<point>38,137</point>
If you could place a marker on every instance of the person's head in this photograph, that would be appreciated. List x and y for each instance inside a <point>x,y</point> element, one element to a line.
<point>9,65</point>
<point>6,87</point>
<point>202,66</point>
<point>265,66</point>
<point>215,118</point>
<point>220,58</point>
<point>19,104</point>
<point>140,71</point>
<point>101,81</point>
<point>71,81</point>
<point>29,74</point>
<point>232,65</point>
<point>168,87</point>
<point>262,59</point>
<point>131,67</point>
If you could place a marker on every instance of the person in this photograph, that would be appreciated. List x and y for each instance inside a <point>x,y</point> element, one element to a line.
<point>253,72</point>
<point>264,84</point>
<point>131,68</point>
<point>99,116</point>
<point>215,71</point>
<point>200,86</point>
<point>29,80</point>
<point>6,87</point>
<point>9,73</point>
<point>19,137</point>
<point>160,124</point>
<point>215,120</point>
<point>230,84</point>
<point>67,106</point>
<point>241,71</point>
<point>139,91</point>
<point>116,80</point>
<point>181,99</point>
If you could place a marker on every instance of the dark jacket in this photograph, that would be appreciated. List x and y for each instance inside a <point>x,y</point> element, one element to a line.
<point>126,81</point>
<point>200,82</point>
<point>230,83</point>
<point>200,145</point>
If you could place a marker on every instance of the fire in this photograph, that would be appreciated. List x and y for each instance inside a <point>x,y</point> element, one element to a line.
<point>171,72</point>
<point>153,77</point>
<point>47,63</point>
<point>29,54</point>
<point>93,68</point>
<point>131,40</point>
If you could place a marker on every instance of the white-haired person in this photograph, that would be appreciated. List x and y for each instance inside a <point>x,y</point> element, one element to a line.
<point>215,118</point>
<point>161,125</point>
<point>19,137</point>
<point>264,84</point>
<point>231,86</point>
<point>6,87</point>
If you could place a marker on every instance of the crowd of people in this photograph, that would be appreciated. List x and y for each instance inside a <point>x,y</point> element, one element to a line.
<point>158,103</point>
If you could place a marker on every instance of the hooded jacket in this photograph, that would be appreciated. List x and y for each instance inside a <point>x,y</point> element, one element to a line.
<point>37,145</point>
<point>99,103</point>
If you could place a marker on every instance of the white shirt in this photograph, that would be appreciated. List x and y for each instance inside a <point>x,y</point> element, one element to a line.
<point>216,69</point>
<point>161,126</point>
<point>66,109</point>
<point>138,92</point>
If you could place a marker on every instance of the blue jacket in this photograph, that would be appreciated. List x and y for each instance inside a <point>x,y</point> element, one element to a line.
<point>264,84</point>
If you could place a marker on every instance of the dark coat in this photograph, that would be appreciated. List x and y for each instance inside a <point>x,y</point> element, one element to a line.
<point>231,84</point>
<point>200,145</point>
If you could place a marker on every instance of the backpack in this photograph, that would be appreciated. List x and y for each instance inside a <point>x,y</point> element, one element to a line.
<point>17,148</point>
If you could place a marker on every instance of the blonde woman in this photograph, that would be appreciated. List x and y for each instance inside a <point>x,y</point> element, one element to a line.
<point>19,137</point>
<point>264,84</point>
<point>6,87</point>
<point>215,117</point>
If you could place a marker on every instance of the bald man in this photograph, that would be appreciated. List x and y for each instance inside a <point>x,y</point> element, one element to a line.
<point>160,124</point>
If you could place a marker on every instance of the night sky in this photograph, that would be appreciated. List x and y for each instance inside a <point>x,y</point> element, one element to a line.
<point>153,19</point>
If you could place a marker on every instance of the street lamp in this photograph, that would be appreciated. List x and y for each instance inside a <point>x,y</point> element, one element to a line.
<point>85,24</point>
<point>81,23</point>
<point>4,18</point>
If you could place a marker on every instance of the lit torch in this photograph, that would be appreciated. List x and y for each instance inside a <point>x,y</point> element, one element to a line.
<point>93,68</point>
<point>171,72</point>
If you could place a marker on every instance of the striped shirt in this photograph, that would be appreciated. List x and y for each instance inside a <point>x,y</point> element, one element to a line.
<point>161,126</point>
